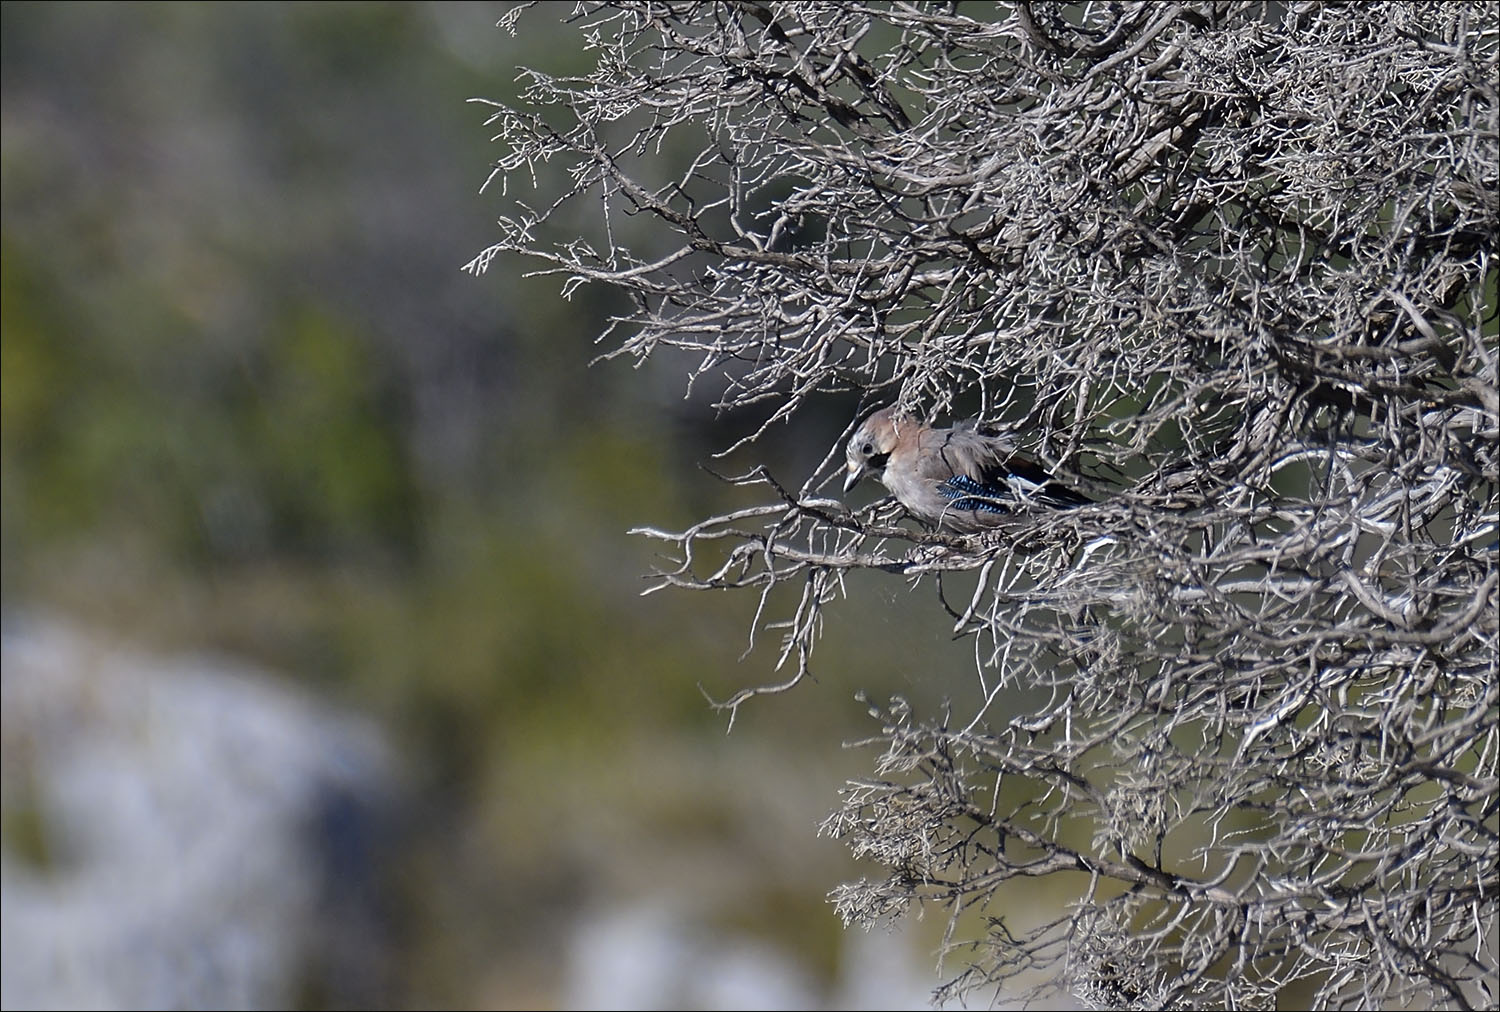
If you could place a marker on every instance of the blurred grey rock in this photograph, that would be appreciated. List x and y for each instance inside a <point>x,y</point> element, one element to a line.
<point>659,955</point>
<point>183,833</point>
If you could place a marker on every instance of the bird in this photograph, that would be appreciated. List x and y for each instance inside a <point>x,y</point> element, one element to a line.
<point>965,478</point>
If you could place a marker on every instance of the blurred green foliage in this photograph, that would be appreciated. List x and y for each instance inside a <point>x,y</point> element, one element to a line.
<point>250,403</point>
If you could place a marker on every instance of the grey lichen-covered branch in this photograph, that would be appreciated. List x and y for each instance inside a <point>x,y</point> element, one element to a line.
<point>1226,268</point>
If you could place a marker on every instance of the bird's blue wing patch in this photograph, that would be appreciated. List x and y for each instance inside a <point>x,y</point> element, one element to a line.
<point>964,493</point>
<point>1014,488</point>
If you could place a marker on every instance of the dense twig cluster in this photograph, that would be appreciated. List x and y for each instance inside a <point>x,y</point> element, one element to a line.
<point>1230,267</point>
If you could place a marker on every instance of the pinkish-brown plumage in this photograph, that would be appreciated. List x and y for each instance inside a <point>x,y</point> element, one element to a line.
<point>965,478</point>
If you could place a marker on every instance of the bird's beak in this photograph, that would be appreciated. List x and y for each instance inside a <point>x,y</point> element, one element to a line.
<point>852,478</point>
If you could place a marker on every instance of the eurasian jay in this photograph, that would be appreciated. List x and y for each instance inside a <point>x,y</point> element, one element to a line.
<point>964,478</point>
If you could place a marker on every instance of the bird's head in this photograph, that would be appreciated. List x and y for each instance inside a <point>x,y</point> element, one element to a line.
<point>871,445</point>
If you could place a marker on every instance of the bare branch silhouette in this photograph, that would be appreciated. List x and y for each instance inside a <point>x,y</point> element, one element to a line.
<point>1229,268</point>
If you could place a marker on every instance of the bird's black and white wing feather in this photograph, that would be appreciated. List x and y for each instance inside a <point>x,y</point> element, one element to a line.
<point>986,477</point>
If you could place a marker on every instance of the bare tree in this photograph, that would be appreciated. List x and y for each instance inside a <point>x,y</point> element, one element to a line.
<point>1230,268</point>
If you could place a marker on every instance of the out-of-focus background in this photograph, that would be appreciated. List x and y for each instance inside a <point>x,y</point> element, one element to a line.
<point>327,681</point>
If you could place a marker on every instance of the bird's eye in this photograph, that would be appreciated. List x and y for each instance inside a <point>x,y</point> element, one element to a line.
<point>867,449</point>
